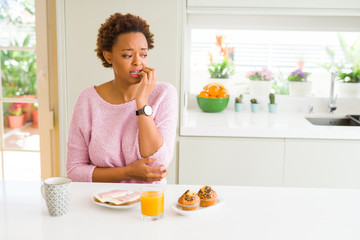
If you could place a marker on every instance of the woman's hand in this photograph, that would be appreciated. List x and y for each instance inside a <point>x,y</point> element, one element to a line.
<point>140,170</point>
<point>147,85</point>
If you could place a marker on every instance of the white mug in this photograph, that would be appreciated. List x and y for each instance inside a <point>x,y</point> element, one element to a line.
<point>56,192</point>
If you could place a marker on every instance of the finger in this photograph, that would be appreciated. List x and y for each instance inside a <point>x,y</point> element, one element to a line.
<point>144,75</point>
<point>151,69</point>
<point>158,169</point>
<point>158,178</point>
<point>157,175</point>
<point>146,70</point>
<point>153,74</point>
<point>149,160</point>
<point>164,174</point>
<point>149,74</point>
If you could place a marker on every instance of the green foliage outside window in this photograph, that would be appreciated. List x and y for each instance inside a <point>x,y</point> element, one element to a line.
<point>349,69</point>
<point>18,71</point>
<point>18,67</point>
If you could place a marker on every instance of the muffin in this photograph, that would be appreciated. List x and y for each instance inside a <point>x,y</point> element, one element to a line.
<point>207,196</point>
<point>189,201</point>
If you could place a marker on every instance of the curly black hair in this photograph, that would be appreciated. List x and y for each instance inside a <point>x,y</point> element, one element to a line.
<point>118,24</point>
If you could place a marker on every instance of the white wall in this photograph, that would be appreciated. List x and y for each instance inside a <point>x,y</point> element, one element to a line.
<point>78,23</point>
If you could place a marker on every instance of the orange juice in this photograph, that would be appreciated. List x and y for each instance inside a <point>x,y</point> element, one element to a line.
<point>152,203</point>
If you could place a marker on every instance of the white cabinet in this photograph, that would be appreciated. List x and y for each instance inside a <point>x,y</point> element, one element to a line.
<point>322,163</point>
<point>231,161</point>
<point>269,162</point>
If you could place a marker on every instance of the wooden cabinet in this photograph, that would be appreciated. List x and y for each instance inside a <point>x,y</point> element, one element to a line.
<point>231,161</point>
<point>322,163</point>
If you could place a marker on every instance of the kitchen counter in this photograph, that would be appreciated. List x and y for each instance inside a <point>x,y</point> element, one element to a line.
<point>247,213</point>
<point>229,123</point>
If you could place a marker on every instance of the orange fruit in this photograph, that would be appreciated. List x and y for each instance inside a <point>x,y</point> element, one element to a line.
<point>223,94</point>
<point>214,91</point>
<point>204,94</point>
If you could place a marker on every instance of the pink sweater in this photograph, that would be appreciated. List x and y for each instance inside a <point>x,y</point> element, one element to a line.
<point>106,135</point>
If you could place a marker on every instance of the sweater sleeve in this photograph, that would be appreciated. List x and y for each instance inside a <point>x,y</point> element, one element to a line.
<point>165,120</point>
<point>78,165</point>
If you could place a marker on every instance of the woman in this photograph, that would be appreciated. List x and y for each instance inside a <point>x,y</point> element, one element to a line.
<point>123,130</point>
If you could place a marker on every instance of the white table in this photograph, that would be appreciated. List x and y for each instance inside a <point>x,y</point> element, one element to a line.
<point>248,213</point>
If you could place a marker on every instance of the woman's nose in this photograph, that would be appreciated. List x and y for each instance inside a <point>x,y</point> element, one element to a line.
<point>137,60</point>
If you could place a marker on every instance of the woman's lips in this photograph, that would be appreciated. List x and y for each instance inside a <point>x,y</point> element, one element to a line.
<point>136,73</point>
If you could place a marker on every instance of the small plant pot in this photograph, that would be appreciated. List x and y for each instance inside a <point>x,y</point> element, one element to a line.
<point>239,107</point>
<point>300,89</point>
<point>348,90</point>
<point>35,118</point>
<point>28,107</point>
<point>255,107</point>
<point>16,121</point>
<point>6,121</point>
<point>272,108</point>
<point>260,88</point>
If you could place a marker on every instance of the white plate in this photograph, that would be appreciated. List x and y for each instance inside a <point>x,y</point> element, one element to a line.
<point>134,205</point>
<point>179,210</point>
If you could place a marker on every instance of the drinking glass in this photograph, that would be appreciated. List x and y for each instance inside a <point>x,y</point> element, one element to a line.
<point>152,202</point>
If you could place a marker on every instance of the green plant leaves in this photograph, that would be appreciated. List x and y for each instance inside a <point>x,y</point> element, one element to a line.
<point>221,70</point>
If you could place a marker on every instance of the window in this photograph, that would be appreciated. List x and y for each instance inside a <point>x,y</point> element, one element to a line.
<point>20,145</point>
<point>279,51</point>
<point>269,34</point>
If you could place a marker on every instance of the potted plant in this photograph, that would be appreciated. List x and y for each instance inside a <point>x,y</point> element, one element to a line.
<point>255,106</point>
<point>35,115</point>
<point>299,85</point>
<point>349,82</point>
<point>222,67</point>
<point>239,105</point>
<point>16,116</point>
<point>260,82</point>
<point>272,105</point>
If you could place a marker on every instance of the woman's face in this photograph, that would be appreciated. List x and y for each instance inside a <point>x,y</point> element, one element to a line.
<point>128,57</point>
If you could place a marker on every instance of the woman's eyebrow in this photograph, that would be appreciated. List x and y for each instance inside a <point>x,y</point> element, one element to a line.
<point>131,49</point>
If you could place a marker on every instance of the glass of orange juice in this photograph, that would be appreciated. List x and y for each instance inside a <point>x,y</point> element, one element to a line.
<point>152,202</point>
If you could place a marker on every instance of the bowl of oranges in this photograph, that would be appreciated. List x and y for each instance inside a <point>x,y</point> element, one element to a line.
<point>213,98</point>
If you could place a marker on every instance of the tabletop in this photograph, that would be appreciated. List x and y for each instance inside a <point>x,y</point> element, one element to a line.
<point>247,213</point>
<point>262,125</point>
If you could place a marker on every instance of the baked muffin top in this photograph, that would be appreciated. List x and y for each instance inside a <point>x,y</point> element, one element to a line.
<point>207,192</point>
<point>189,197</point>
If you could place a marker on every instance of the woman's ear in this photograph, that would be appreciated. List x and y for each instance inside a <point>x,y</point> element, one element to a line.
<point>108,57</point>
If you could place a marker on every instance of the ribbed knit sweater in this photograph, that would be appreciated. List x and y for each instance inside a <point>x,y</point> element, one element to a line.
<point>107,135</point>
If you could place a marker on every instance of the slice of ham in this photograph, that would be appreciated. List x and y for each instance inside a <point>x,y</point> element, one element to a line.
<point>129,197</point>
<point>107,196</point>
<point>132,197</point>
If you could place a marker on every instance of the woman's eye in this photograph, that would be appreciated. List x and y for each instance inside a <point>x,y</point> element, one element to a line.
<point>126,56</point>
<point>144,55</point>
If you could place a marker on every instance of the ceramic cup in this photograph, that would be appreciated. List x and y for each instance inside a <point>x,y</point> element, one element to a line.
<point>56,192</point>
